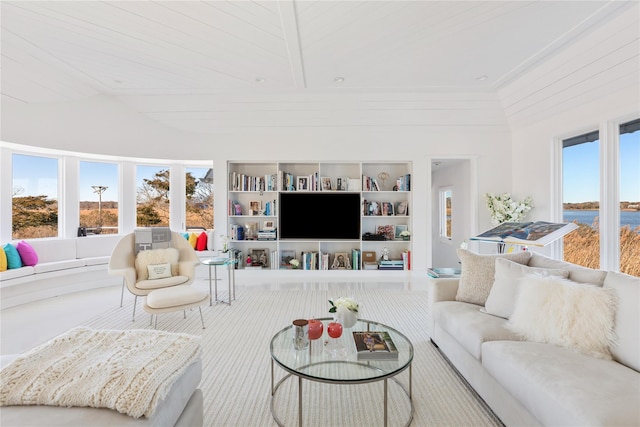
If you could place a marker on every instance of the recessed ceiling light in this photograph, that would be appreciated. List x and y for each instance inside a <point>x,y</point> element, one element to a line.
<point>260,79</point>
<point>482,78</point>
<point>338,79</point>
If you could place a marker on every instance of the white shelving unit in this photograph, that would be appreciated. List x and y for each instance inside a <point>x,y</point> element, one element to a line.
<point>254,195</point>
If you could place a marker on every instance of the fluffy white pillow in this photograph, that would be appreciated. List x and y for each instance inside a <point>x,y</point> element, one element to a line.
<point>477,274</point>
<point>156,256</point>
<point>159,271</point>
<point>502,296</point>
<point>569,314</point>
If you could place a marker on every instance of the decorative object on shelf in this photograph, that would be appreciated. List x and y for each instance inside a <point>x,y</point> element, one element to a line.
<point>389,231</point>
<point>405,234</point>
<point>294,263</point>
<point>341,261</point>
<point>399,229</point>
<point>225,243</point>
<point>345,311</point>
<point>402,208</point>
<point>326,183</point>
<point>387,209</point>
<point>285,257</point>
<point>385,254</point>
<point>504,209</point>
<point>260,258</point>
<point>382,176</point>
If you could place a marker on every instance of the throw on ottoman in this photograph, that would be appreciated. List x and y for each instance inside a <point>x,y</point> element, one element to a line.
<point>103,378</point>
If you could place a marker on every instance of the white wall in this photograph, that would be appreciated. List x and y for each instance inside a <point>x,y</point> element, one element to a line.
<point>601,78</point>
<point>458,178</point>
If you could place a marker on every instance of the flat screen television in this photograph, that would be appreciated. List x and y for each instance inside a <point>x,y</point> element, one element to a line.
<point>319,215</point>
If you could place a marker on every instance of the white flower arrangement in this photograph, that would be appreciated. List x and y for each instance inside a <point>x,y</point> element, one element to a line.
<point>503,208</point>
<point>405,233</point>
<point>348,303</point>
<point>294,263</point>
<point>225,242</point>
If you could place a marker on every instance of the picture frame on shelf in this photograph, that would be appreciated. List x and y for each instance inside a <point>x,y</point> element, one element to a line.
<point>388,231</point>
<point>342,183</point>
<point>326,183</point>
<point>303,183</point>
<point>387,209</point>
<point>260,258</point>
<point>285,257</point>
<point>402,208</point>
<point>399,229</point>
<point>255,207</point>
<point>341,261</point>
<point>237,208</point>
<point>268,225</point>
<point>375,208</point>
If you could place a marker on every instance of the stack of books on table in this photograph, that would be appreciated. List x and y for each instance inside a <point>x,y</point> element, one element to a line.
<point>392,264</point>
<point>374,346</point>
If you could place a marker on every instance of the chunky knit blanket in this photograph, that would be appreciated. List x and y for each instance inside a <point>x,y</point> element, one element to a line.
<point>129,371</point>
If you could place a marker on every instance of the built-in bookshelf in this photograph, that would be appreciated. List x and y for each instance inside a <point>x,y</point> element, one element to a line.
<point>323,214</point>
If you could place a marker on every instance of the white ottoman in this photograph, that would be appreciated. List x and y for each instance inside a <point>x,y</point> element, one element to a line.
<point>175,298</point>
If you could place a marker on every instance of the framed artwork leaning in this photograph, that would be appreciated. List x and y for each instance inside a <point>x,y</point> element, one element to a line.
<point>341,261</point>
<point>388,231</point>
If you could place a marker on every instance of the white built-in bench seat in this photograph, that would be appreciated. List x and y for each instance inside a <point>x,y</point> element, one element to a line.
<point>64,266</point>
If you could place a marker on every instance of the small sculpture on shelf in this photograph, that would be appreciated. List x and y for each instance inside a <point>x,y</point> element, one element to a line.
<point>385,254</point>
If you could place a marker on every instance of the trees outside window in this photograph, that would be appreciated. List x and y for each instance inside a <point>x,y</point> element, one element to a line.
<point>152,199</point>
<point>34,197</point>
<point>199,197</point>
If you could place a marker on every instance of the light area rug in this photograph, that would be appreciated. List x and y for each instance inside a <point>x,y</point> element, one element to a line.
<point>236,379</point>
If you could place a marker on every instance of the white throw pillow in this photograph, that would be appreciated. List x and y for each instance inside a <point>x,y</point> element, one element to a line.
<point>159,271</point>
<point>569,314</point>
<point>156,256</point>
<point>502,296</point>
<point>477,274</point>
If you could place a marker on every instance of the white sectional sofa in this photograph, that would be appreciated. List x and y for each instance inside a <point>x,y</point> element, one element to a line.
<point>64,266</point>
<point>543,381</point>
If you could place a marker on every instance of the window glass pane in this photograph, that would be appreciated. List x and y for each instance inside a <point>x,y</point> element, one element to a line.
<point>581,202</point>
<point>152,196</point>
<point>630,202</point>
<point>199,197</point>
<point>35,197</point>
<point>98,194</point>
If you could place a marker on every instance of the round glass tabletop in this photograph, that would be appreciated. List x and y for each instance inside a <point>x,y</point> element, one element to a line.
<point>335,360</point>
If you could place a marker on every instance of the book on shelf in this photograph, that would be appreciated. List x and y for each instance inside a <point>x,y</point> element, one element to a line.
<point>539,233</point>
<point>374,346</point>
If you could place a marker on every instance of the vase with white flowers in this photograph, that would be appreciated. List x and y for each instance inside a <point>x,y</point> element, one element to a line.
<point>294,263</point>
<point>225,243</point>
<point>405,234</point>
<point>345,311</point>
<point>504,209</point>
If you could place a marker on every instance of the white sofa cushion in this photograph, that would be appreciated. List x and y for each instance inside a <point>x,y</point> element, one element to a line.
<point>96,246</point>
<point>566,313</point>
<point>477,274</point>
<point>502,297</point>
<point>156,256</point>
<point>53,250</point>
<point>59,265</point>
<point>626,348</point>
<point>564,388</point>
<point>470,326</point>
<point>14,273</point>
<point>577,273</point>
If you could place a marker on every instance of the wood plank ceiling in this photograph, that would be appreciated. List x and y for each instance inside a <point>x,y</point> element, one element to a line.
<point>211,65</point>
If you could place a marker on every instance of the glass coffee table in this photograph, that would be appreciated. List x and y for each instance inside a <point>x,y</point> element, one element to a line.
<point>337,362</point>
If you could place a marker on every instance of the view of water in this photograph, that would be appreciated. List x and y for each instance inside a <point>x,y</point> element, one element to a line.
<point>631,218</point>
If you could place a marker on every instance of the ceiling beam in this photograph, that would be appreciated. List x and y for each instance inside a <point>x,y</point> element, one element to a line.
<point>291,37</point>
